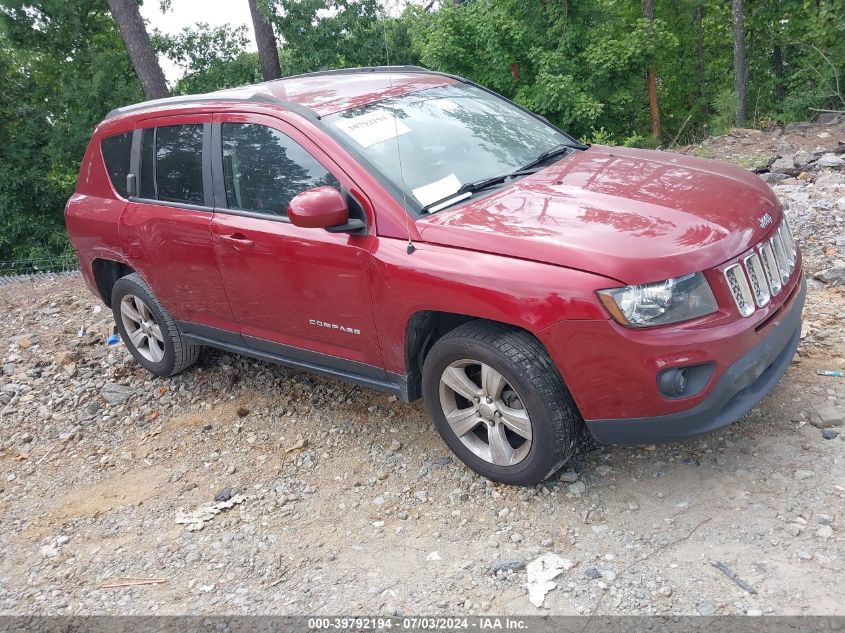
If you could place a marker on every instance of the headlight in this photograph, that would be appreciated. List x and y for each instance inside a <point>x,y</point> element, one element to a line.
<point>670,301</point>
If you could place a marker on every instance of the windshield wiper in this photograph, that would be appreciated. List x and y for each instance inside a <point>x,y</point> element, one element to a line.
<point>557,150</point>
<point>469,188</point>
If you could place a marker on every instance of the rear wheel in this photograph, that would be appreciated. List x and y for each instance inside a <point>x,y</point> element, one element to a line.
<point>148,330</point>
<point>499,402</point>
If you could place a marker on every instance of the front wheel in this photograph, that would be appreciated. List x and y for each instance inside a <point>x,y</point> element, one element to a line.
<point>499,402</point>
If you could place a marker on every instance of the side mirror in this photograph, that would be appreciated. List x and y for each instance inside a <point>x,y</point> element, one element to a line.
<point>318,208</point>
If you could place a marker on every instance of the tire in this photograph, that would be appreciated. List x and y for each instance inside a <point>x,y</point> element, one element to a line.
<point>163,355</point>
<point>482,350</point>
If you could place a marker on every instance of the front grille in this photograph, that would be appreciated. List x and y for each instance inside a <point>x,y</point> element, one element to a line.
<point>763,273</point>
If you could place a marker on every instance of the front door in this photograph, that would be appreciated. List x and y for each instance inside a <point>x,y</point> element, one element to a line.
<point>290,288</point>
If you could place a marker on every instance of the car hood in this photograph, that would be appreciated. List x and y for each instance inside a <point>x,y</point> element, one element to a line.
<point>631,215</point>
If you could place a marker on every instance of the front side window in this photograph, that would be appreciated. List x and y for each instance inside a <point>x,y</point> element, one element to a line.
<point>264,169</point>
<point>171,164</point>
<point>116,151</point>
<point>447,137</point>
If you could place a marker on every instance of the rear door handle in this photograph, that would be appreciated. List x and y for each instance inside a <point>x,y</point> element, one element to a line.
<point>238,239</point>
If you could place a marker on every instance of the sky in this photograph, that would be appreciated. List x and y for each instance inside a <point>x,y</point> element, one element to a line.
<point>184,13</point>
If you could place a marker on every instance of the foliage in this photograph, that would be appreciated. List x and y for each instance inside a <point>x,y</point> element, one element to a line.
<point>325,34</point>
<point>210,58</point>
<point>64,67</point>
<point>581,63</point>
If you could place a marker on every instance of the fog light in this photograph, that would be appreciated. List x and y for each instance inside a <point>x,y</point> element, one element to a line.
<point>673,382</point>
<point>683,382</point>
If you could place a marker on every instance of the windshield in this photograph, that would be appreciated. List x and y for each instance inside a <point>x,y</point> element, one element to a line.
<point>448,136</point>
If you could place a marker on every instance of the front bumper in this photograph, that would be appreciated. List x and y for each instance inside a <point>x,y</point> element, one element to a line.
<point>741,387</point>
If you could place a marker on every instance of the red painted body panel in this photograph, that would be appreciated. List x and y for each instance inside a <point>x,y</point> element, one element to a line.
<point>632,215</point>
<point>531,254</point>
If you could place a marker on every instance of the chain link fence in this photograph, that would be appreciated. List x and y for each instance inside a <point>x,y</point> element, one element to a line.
<point>14,271</point>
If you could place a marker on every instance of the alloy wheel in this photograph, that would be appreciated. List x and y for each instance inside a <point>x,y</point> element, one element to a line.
<point>142,328</point>
<point>485,412</point>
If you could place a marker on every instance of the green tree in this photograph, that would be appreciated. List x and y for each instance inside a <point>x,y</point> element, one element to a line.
<point>64,67</point>
<point>210,58</point>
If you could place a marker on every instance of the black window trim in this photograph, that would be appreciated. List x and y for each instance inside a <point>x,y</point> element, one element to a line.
<point>207,181</point>
<point>221,204</point>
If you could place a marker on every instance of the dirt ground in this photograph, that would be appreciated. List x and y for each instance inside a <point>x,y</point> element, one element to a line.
<point>348,502</point>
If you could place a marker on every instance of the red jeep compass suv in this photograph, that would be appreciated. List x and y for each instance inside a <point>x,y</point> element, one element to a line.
<point>413,232</point>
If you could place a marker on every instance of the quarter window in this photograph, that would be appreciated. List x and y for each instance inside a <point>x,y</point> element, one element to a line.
<point>264,169</point>
<point>171,164</point>
<point>116,151</point>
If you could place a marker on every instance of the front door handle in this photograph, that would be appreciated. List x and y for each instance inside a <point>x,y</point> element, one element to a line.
<point>238,239</point>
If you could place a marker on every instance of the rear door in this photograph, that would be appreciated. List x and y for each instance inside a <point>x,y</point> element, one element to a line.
<point>166,227</point>
<point>296,292</point>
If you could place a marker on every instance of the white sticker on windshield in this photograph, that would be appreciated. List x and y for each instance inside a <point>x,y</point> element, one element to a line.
<point>373,127</point>
<point>437,190</point>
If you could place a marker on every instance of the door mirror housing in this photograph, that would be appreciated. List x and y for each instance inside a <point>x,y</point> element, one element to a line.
<point>318,208</point>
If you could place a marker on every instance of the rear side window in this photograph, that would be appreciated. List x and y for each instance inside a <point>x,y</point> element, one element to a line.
<point>171,164</point>
<point>116,151</point>
<point>263,169</point>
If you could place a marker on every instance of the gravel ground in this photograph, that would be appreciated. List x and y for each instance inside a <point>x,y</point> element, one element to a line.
<point>345,501</point>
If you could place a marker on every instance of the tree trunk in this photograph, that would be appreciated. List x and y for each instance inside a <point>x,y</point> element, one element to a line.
<point>137,41</point>
<point>740,65</point>
<point>777,68</point>
<point>268,52</point>
<point>651,78</point>
<point>700,60</point>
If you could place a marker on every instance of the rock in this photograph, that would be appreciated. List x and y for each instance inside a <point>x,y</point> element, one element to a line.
<point>705,609</point>
<point>773,178</point>
<point>824,532</point>
<point>516,537</point>
<point>25,343</point>
<point>754,613</point>
<point>223,495</point>
<point>783,164</point>
<point>831,161</point>
<point>395,445</point>
<point>116,394</point>
<point>49,551</point>
<point>834,276</point>
<point>829,434</point>
<point>801,159</point>
<point>665,591</point>
<point>569,477</point>
<point>422,495</point>
<point>577,488</point>
<point>507,565</point>
<point>803,554</point>
<point>592,573</point>
<point>63,359</point>
<point>830,118</point>
<point>827,416</point>
<point>603,469</point>
<point>801,474</point>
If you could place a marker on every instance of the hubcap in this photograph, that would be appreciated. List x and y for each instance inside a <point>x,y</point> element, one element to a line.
<point>485,412</point>
<point>141,328</point>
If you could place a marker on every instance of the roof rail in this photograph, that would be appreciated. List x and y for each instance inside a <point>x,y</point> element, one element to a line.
<point>363,70</point>
<point>255,94</point>
<point>228,95</point>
